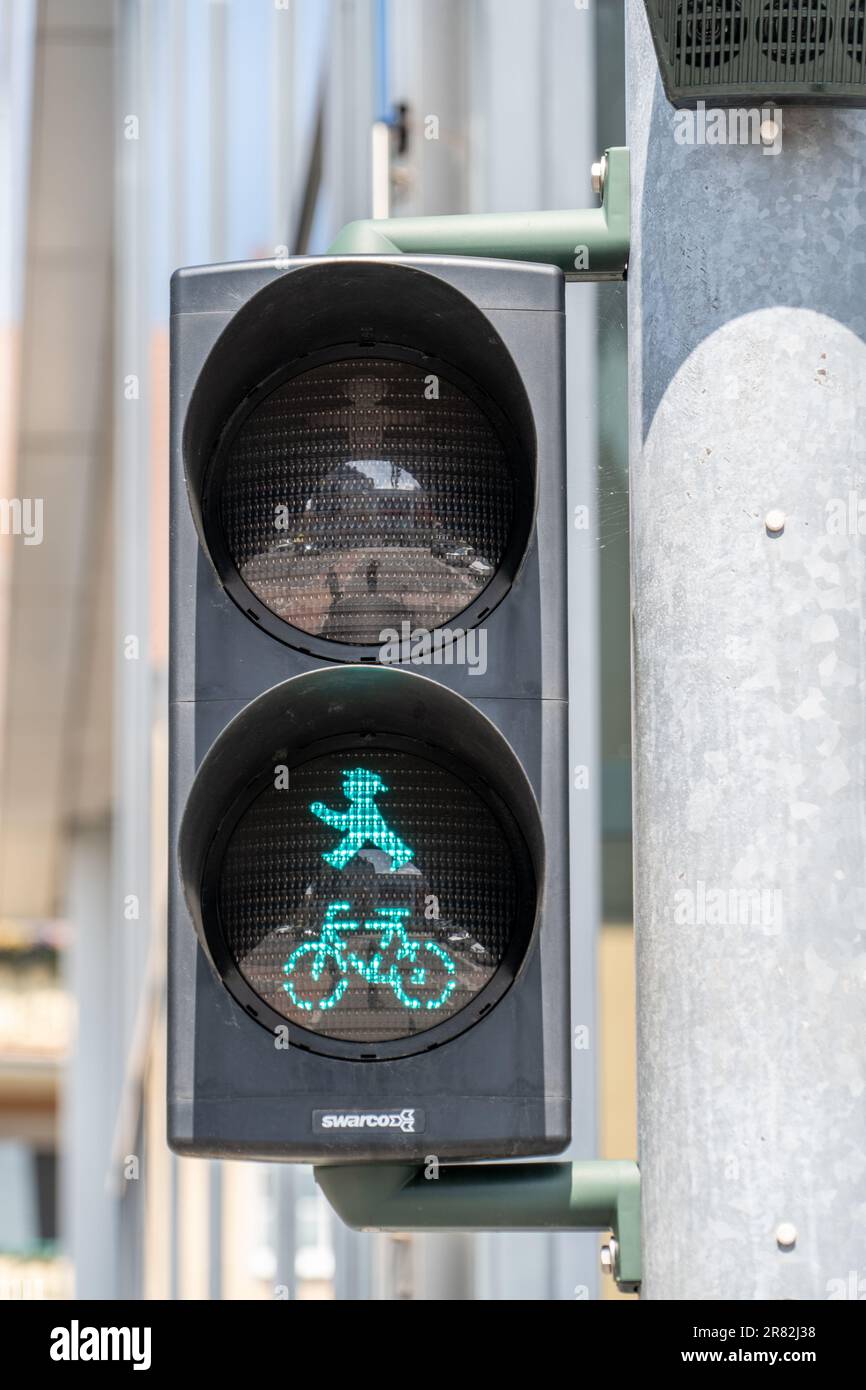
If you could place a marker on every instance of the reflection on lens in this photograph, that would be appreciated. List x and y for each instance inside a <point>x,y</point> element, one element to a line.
<point>364,494</point>
<point>370,899</point>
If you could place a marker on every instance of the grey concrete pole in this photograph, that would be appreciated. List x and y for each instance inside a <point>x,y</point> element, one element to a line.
<point>748,404</point>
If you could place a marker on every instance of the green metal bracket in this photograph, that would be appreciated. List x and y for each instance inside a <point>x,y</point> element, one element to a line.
<point>591,244</point>
<point>595,1195</point>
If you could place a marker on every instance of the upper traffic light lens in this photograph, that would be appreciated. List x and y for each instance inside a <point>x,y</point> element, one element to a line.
<point>366,493</point>
<point>370,895</point>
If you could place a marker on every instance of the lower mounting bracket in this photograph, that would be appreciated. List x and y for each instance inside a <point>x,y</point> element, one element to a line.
<point>592,1195</point>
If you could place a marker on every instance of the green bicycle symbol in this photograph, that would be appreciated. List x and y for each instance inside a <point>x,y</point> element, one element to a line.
<point>422,976</point>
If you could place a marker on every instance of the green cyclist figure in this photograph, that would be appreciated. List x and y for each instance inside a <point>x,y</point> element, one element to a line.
<point>363,823</point>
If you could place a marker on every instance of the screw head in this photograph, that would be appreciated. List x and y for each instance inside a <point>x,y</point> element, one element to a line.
<point>769,132</point>
<point>786,1235</point>
<point>775,521</point>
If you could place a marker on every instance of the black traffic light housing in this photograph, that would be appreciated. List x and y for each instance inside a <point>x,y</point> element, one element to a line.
<point>410,1044</point>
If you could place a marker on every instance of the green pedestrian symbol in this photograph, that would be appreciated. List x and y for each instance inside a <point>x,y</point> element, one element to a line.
<point>363,823</point>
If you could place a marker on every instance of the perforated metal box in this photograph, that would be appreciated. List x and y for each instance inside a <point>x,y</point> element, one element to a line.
<point>756,52</point>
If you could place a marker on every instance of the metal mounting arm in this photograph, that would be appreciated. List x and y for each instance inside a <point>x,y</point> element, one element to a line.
<point>592,244</point>
<point>589,244</point>
<point>595,1195</point>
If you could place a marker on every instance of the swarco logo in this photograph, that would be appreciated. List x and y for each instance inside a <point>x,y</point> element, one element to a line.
<point>409,1121</point>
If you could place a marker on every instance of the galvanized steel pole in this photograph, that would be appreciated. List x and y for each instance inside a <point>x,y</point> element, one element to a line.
<point>748,461</point>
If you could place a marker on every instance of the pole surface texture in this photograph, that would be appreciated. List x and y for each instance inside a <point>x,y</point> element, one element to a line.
<point>747,290</point>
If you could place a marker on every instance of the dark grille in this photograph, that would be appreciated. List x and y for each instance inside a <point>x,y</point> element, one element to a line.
<point>856,30</point>
<point>795,33</point>
<point>739,52</point>
<point>708,35</point>
<point>364,494</point>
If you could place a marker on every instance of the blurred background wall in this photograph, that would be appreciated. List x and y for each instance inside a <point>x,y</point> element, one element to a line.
<point>137,136</point>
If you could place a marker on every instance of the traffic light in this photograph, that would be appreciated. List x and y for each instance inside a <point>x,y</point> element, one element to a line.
<point>368,898</point>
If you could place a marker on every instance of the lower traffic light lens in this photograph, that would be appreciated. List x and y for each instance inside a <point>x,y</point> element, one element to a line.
<point>366,493</point>
<point>369,895</point>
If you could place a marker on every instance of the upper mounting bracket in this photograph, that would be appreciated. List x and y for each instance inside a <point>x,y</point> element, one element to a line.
<point>587,244</point>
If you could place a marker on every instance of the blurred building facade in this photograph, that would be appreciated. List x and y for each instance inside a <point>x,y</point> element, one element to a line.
<point>137,136</point>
